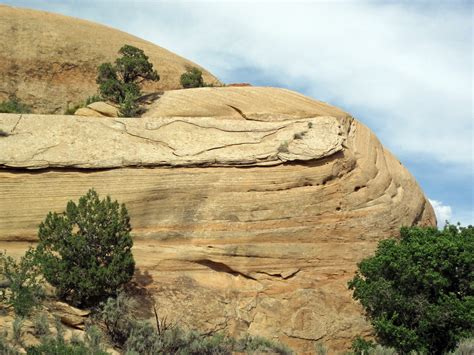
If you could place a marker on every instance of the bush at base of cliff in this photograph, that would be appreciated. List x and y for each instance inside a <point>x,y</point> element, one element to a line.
<point>13,105</point>
<point>418,292</point>
<point>138,337</point>
<point>91,345</point>
<point>22,289</point>
<point>86,252</point>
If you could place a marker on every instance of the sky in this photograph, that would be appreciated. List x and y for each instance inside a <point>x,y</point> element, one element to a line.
<point>403,68</point>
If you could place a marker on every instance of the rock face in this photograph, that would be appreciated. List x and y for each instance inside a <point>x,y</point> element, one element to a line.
<point>249,215</point>
<point>50,61</point>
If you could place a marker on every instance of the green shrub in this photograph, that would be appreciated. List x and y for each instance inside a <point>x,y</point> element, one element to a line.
<point>23,290</point>
<point>119,82</point>
<point>129,107</point>
<point>5,346</point>
<point>91,99</point>
<point>41,325</point>
<point>85,253</point>
<point>418,291</point>
<point>17,329</point>
<point>260,345</point>
<point>14,105</point>
<point>360,346</point>
<point>116,313</point>
<point>91,345</point>
<point>192,78</point>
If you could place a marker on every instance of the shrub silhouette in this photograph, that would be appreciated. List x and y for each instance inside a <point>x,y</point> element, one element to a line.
<point>86,253</point>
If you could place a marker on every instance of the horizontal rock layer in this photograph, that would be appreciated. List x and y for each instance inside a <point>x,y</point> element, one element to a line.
<point>35,141</point>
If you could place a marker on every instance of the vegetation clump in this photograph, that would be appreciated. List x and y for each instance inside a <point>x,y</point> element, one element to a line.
<point>418,292</point>
<point>14,105</point>
<point>120,82</point>
<point>192,78</point>
<point>71,110</point>
<point>86,252</point>
<point>21,286</point>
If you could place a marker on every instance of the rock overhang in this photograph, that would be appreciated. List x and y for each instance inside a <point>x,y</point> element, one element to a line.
<point>52,141</point>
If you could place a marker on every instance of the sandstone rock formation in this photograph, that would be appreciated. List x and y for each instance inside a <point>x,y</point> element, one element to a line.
<point>250,206</point>
<point>50,60</point>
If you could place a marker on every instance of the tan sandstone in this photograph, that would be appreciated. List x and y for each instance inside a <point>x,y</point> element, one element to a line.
<point>248,218</point>
<point>104,108</point>
<point>50,61</point>
<point>87,112</point>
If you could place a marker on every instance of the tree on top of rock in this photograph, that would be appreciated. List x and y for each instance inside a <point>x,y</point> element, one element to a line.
<point>120,82</point>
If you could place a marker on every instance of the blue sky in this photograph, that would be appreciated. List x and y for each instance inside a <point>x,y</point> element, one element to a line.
<point>402,68</point>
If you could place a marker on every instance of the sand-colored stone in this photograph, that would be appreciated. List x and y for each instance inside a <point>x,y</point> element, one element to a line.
<point>243,103</point>
<point>226,237</point>
<point>43,141</point>
<point>87,112</point>
<point>104,109</point>
<point>50,61</point>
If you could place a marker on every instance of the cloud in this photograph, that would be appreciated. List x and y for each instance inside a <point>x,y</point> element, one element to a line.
<point>443,212</point>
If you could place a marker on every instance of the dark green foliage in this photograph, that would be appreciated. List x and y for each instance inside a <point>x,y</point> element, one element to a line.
<point>22,289</point>
<point>14,105</point>
<point>129,106</point>
<point>192,78</point>
<point>360,346</point>
<point>86,251</point>
<point>120,82</point>
<point>418,292</point>
<point>134,65</point>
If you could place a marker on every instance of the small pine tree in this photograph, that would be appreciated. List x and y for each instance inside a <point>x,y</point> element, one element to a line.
<point>120,82</point>
<point>86,253</point>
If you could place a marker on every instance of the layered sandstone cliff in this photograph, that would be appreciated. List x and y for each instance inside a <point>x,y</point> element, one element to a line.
<point>50,61</point>
<point>250,206</point>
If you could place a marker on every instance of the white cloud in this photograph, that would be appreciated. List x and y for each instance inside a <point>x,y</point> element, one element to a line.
<point>443,212</point>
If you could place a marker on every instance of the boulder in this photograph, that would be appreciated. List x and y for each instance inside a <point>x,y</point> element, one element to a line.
<point>250,207</point>
<point>87,112</point>
<point>50,61</point>
<point>104,109</point>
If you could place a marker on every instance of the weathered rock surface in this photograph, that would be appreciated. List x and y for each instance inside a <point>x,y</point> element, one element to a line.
<point>87,112</point>
<point>50,60</point>
<point>233,231</point>
<point>244,103</point>
<point>35,141</point>
<point>104,108</point>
